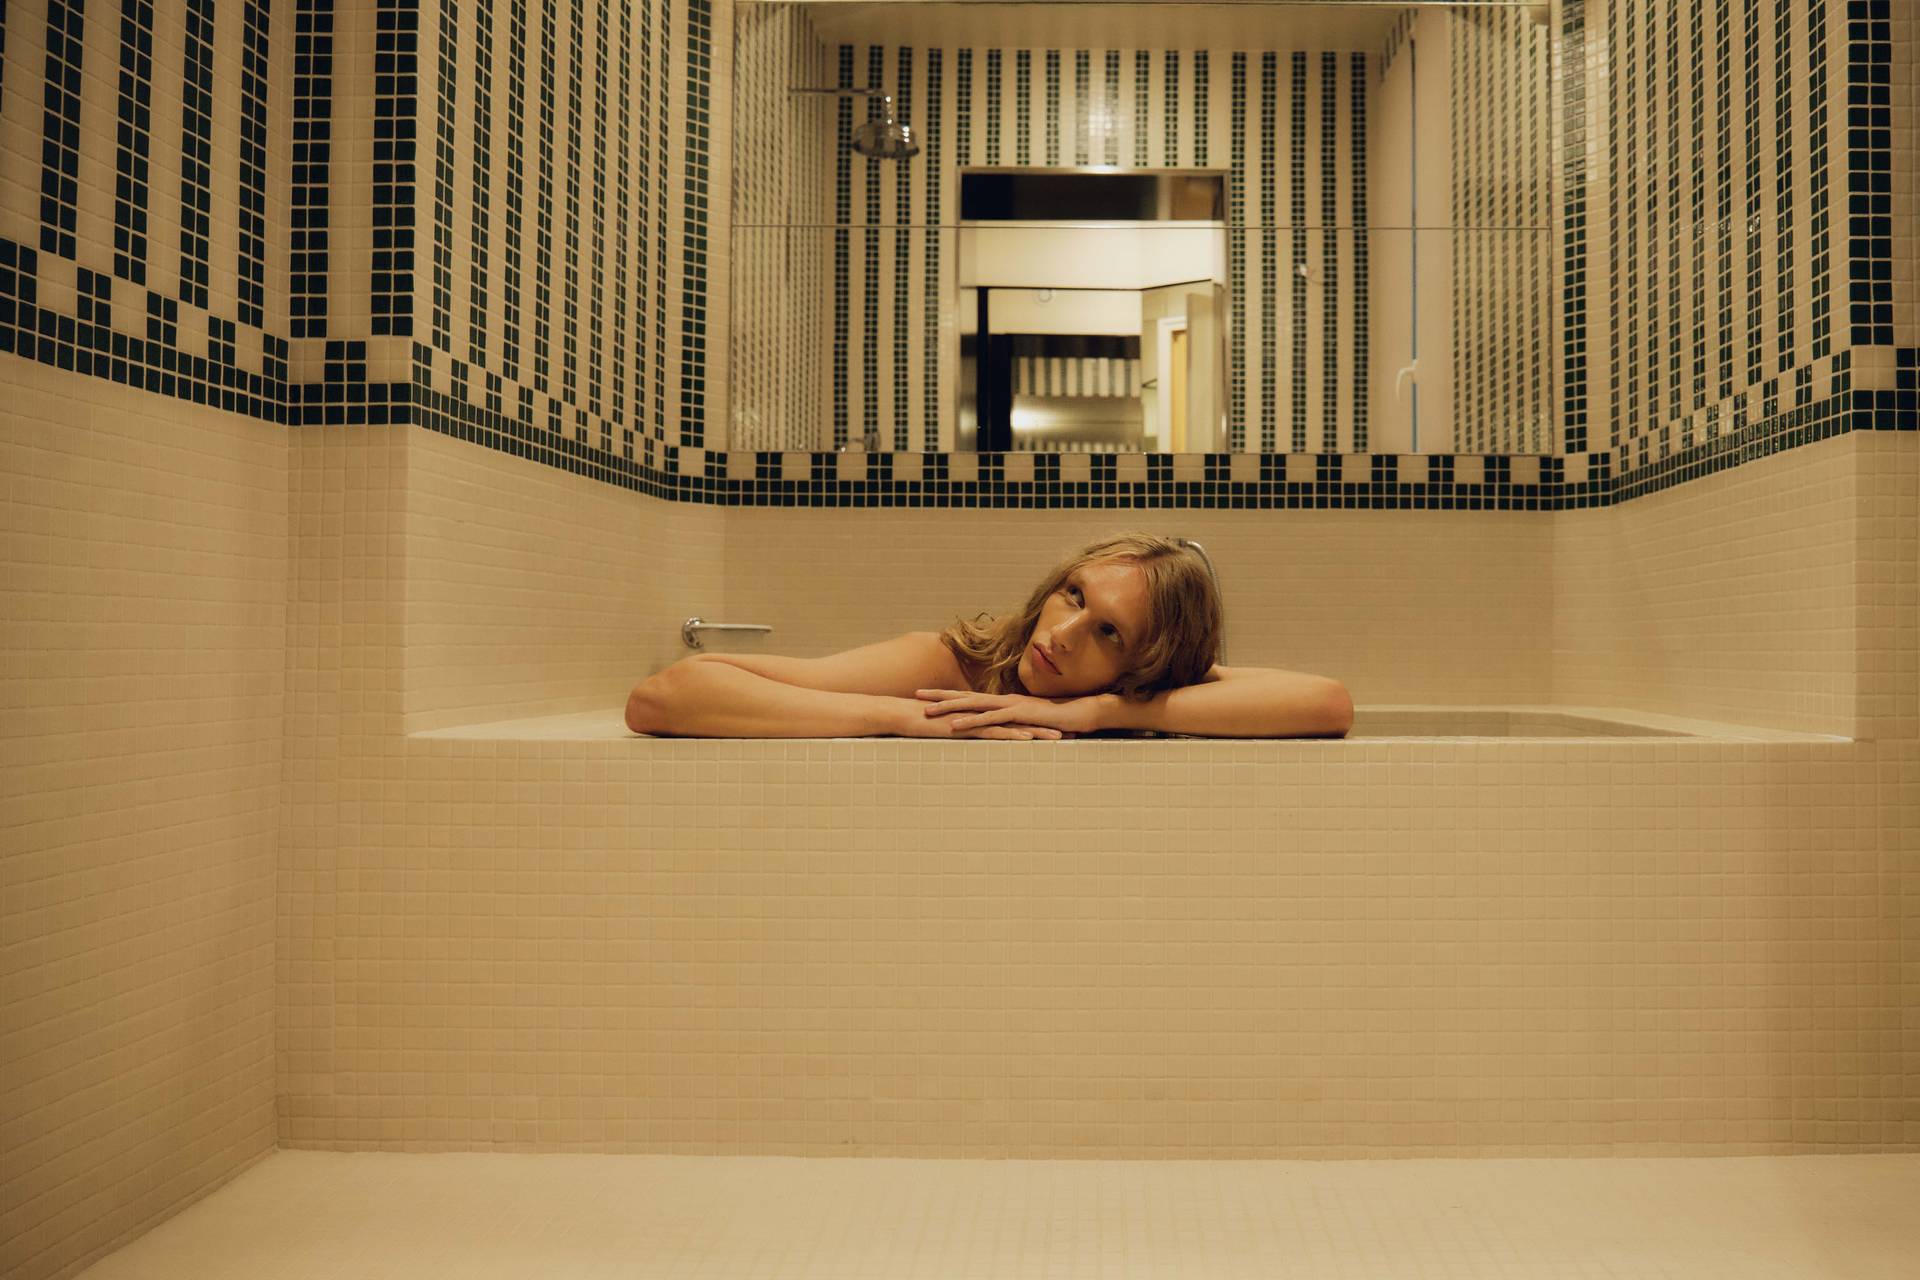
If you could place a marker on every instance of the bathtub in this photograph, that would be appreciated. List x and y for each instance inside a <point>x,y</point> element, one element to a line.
<point>1370,723</point>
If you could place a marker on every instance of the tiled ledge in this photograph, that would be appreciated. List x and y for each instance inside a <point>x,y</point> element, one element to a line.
<point>1642,728</point>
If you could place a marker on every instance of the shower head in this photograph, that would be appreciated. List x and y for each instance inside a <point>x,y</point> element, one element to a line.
<point>885,138</point>
<point>882,138</point>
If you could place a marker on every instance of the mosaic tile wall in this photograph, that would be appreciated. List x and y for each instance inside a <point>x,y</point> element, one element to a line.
<point>545,286</point>
<point>1294,130</point>
<point>780,391</point>
<point>485,216</point>
<point>1738,178</point>
<point>1291,127</point>
<point>1499,142</point>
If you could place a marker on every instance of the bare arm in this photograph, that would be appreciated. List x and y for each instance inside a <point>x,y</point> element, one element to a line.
<point>1240,702</point>
<point>858,693</point>
<point>701,698</point>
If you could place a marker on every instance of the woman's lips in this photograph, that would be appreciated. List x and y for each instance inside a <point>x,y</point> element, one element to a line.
<point>1044,661</point>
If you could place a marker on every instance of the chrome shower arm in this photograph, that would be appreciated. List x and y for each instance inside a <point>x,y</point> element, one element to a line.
<point>858,93</point>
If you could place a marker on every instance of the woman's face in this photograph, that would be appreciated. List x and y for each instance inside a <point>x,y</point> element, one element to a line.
<point>1088,631</point>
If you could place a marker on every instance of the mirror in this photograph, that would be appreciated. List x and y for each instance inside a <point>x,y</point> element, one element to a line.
<point>1091,308</point>
<point>1309,228</point>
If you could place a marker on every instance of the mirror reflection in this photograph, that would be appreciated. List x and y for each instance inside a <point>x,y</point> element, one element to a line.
<point>1091,310</point>
<point>1163,228</point>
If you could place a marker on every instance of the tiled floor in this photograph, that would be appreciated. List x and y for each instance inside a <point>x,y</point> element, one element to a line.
<point>312,1214</point>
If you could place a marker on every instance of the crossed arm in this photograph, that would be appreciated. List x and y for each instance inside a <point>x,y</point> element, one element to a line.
<point>912,686</point>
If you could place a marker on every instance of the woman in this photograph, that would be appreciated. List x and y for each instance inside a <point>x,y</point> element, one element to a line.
<point>1122,636</point>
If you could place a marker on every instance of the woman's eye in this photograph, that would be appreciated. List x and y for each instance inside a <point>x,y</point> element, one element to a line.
<point>1110,633</point>
<point>1073,594</point>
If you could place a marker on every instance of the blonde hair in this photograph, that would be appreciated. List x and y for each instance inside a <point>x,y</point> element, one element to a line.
<point>1184,621</point>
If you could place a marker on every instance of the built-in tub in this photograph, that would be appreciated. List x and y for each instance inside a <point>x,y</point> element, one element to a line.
<point>1370,723</point>
<point>1464,931</point>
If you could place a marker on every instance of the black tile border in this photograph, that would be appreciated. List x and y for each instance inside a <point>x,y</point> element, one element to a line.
<point>87,343</point>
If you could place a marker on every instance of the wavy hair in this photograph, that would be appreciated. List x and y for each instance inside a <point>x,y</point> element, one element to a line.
<point>1184,625</point>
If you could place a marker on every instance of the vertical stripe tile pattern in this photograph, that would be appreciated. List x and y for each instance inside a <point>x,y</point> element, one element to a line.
<point>648,375</point>
<point>842,217</point>
<point>931,173</point>
<point>622,242</point>
<point>395,110</point>
<point>902,252</point>
<point>1723,189</point>
<point>480,219</point>
<point>514,260</point>
<point>1819,231</point>
<point>1081,106</point>
<point>447,72</point>
<point>693,238</point>
<point>1329,254</point>
<point>1574,220</point>
<point>134,142</point>
<point>661,59</point>
<point>870,270</point>
<point>572,240</point>
<point>1870,172</point>
<point>1297,249</point>
<point>60,149</point>
<point>252,269</point>
<point>1023,113</point>
<point>597,214</point>
<point>1750,68</point>
<point>1237,254</point>
<point>1360,237</point>
<point>543,201</point>
<point>196,149</point>
<point>1170,111</point>
<point>312,156</point>
<point>1783,183</point>
<point>1270,180</point>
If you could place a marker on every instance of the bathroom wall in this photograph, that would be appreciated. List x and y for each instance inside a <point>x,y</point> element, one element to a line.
<point>1402,606</point>
<point>1729,240</point>
<point>575,208</point>
<point>252,242</point>
<point>1299,949</point>
<point>145,599</point>
<point>143,350</point>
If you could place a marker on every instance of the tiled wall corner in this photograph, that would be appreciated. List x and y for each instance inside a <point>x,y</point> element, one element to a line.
<point>345,550</point>
<point>1757,596</point>
<point>530,591</point>
<point>145,592</point>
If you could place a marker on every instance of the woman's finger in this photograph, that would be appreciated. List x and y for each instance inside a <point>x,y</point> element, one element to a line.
<point>1012,733</point>
<point>1003,715</point>
<point>951,705</point>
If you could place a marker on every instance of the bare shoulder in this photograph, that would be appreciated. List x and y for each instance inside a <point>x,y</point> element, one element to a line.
<point>937,663</point>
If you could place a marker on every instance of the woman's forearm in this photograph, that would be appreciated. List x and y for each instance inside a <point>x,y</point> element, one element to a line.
<point>707,699</point>
<point>1268,704</point>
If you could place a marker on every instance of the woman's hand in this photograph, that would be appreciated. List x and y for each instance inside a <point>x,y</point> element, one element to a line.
<point>968,711</point>
<point>919,725</point>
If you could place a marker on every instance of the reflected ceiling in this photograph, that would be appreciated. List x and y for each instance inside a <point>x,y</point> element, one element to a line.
<point>1107,26</point>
